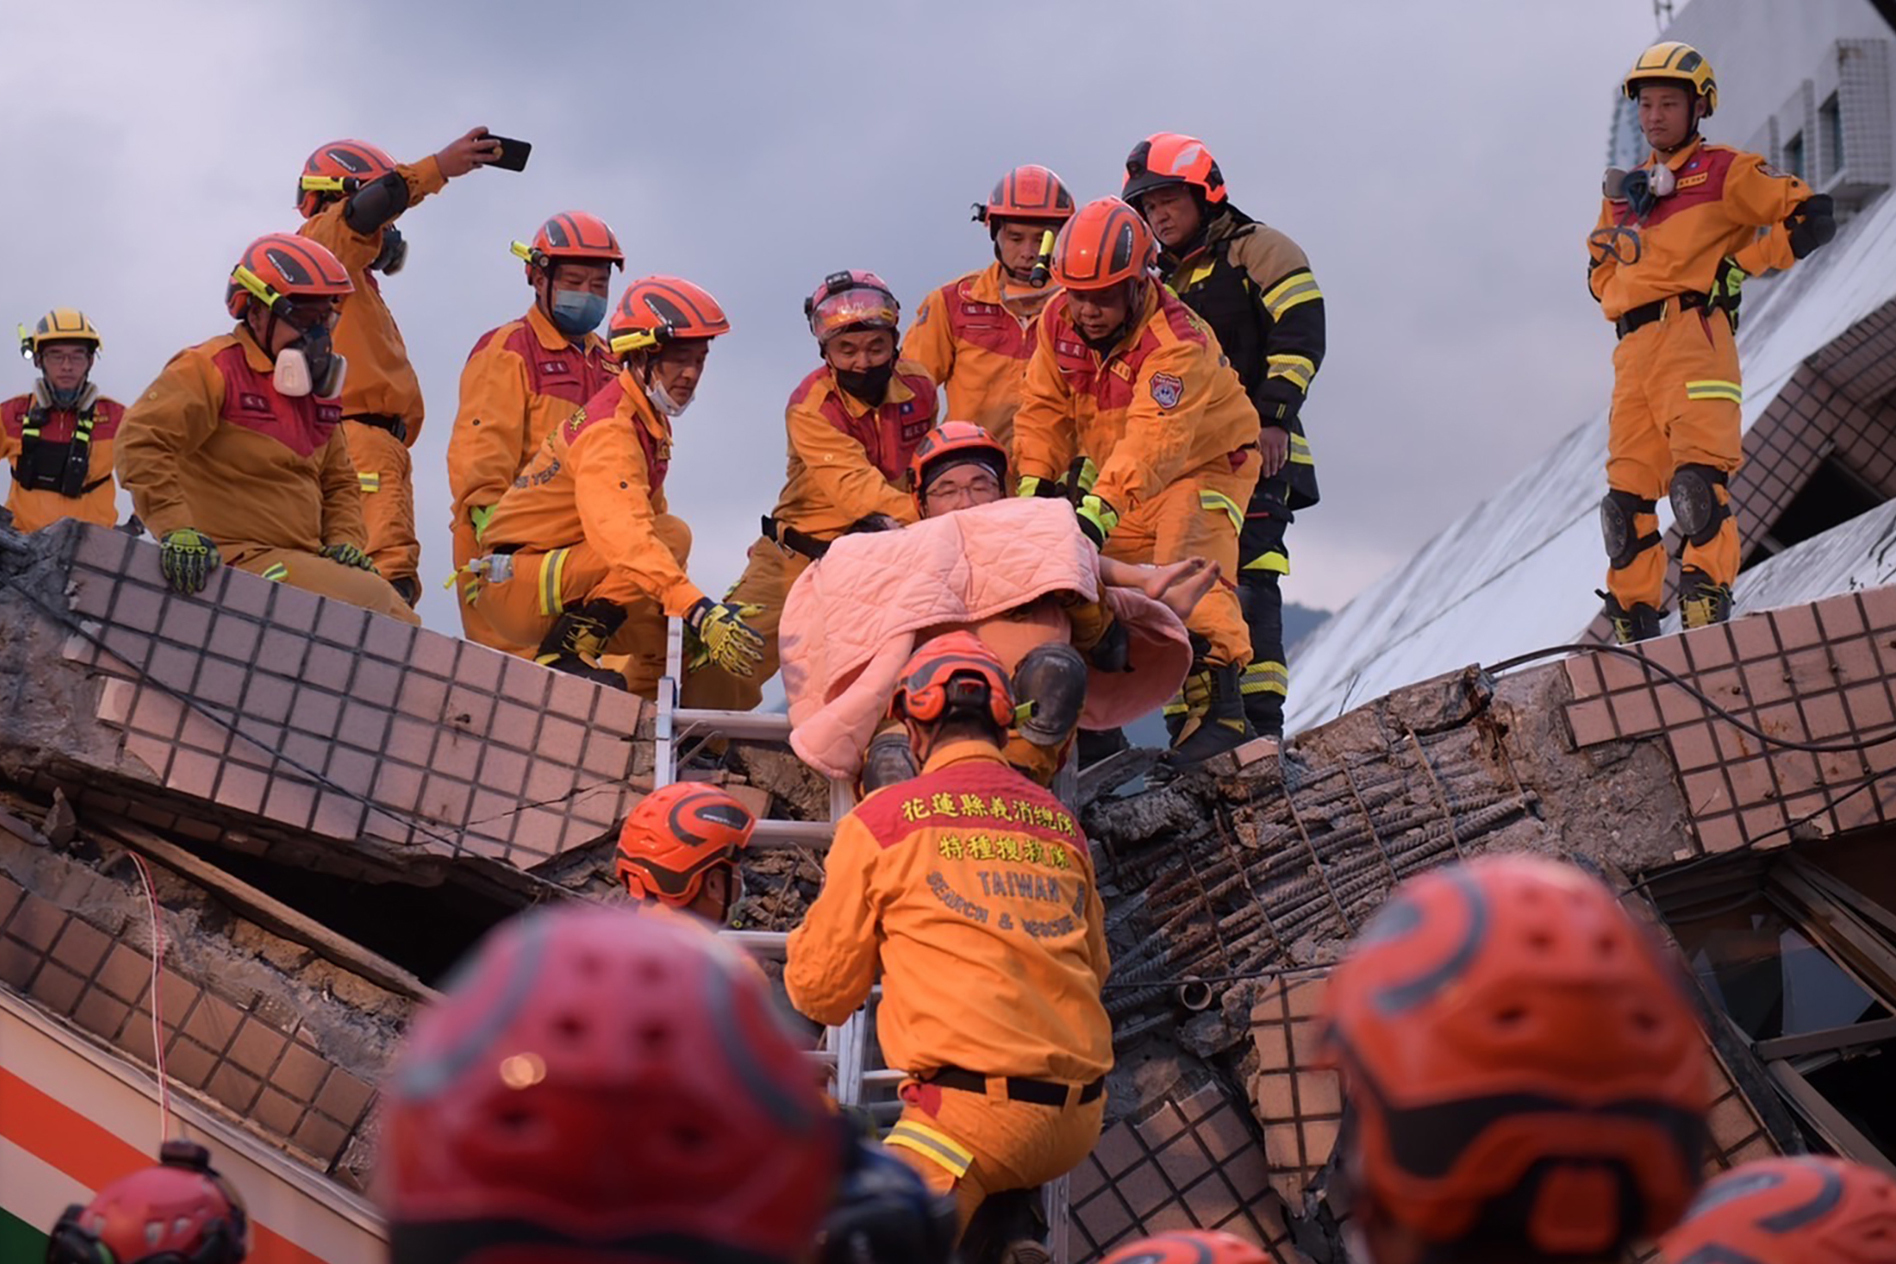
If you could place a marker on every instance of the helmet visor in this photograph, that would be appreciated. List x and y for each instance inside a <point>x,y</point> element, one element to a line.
<point>859,306</point>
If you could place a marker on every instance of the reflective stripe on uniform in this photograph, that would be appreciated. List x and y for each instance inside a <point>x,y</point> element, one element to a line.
<point>551,568</point>
<point>938,1147</point>
<point>1713,388</point>
<point>369,482</point>
<point>1299,369</point>
<point>1271,561</point>
<point>1223,503</point>
<point>1200,273</point>
<point>1300,451</point>
<point>1176,706</point>
<point>276,572</point>
<point>1298,287</point>
<point>1265,678</point>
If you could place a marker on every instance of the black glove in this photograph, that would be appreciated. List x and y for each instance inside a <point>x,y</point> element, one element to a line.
<point>1813,222</point>
<point>1097,519</point>
<point>187,557</point>
<point>873,522</point>
<point>348,555</point>
<point>1040,488</point>
<point>1726,293</point>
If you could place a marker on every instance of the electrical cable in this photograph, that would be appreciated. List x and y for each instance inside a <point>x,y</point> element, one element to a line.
<point>157,1006</point>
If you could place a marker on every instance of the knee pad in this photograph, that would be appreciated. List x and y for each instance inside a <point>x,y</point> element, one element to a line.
<point>1618,516</point>
<point>1053,678</point>
<point>1696,505</point>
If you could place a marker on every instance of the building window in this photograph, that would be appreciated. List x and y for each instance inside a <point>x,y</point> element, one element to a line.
<point>1830,128</point>
<point>1794,156</point>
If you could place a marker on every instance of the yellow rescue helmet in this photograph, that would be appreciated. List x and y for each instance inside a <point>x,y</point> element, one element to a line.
<point>62,324</point>
<point>1673,62</point>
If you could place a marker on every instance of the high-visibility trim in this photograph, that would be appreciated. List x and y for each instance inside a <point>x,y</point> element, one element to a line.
<point>552,567</point>
<point>1265,678</point>
<point>1298,287</point>
<point>1299,369</point>
<point>1220,501</point>
<point>937,1147</point>
<point>1271,561</point>
<point>1176,706</point>
<point>368,482</point>
<point>276,572</point>
<point>1300,451</point>
<point>1200,273</point>
<point>1713,388</point>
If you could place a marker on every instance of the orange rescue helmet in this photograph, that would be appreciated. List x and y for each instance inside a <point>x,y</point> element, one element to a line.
<point>950,444</point>
<point>655,310</point>
<point>179,1212</point>
<point>1190,1246</point>
<point>1106,243</point>
<point>602,1086</point>
<point>675,836</point>
<point>1030,192</point>
<point>848,301</point>
<point>1524,1063</point>
<point>1789,1211</point>
<point>279,268</point>
<point>953,672</point>
<point>572,236</point>
<point>1172,159</point>
<point>340,167</point>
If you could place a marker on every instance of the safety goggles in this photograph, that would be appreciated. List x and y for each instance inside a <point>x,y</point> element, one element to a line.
<point>302,314</point>
<point>858,304</point>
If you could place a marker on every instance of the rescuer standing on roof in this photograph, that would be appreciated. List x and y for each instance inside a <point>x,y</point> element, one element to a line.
<point>350,194</point>
<point>235,454</point>
<point>969,891</point>
<point>528,376</point>
<point>582,556</point>
<point>1127,378</point>
<point>679,848</point>
<point>853,423</point>
<point>1676,238</point>
<point>974,334</point>
<point>1253,286</point>
<point>56,440</point>
<point>181,1211</point>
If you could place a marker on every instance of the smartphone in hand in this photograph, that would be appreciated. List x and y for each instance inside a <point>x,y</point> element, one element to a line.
<point>513,153</point>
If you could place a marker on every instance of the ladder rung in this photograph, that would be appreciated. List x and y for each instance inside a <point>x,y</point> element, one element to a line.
<point>884,1076</point>
<point>757,940</point>
<point>776,833</point>
<point>764,725</point>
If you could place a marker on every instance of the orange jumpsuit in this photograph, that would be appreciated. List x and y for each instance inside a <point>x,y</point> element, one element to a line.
<point>970,891</point>
<point>211,445</point>
<point>1676,387</point>
<point>586,520</point>
<point>846,462</point>
<point>521,381</point>
<point>1175,438</point>
<point>51,481</point>
<point>974,336</point>
<point>380,384</point>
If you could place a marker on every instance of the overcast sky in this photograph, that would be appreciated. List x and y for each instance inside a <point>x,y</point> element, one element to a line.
<point>1439,162</point>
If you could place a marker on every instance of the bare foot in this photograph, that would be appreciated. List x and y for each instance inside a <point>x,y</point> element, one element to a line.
<point>1181,585</point>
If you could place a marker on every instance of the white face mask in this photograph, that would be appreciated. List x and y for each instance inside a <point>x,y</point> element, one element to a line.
<point>293,380</point>
<point>662,400</point>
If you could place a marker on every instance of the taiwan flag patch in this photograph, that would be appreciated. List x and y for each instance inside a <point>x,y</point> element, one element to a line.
<point>1167,389</point>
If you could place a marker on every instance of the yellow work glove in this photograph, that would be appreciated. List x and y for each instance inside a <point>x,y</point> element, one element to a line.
<point>480,516</point>
<point>349,555</point>
<point>187,557</point>
<point>724,639</point>
<point>1097,519</point>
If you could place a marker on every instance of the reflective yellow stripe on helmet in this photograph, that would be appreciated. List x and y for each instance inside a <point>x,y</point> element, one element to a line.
<point>1299,369</point>
<point>369,482</point>
<point>935,1146</point>
<point>552,567</point>
<point>1713,388</point>
<point>1223,503</point>
<point>1298,287</point>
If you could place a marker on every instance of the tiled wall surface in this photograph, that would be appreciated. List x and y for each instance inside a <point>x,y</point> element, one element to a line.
<point>249,1053</point>
<point>1821,673</point>
<point>326,720</point>
<point>1298,1103</point>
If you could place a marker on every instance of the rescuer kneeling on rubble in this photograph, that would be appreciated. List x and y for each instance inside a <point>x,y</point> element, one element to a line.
<point>236,454</point>
<point>970,892</point>
<point>679,847</point>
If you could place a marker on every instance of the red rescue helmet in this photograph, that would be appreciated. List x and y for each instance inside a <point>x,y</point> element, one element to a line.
<point>340,167</point>
<point>849,301</point>
<point>950,444</point>
<point>953,672</point>
<point>655,310</point>
<point>1524,1063</point>
<point>1190,1246</point>
<point>279,268</point>
<point>572,236</point>
<point>1171,160</point>
<point>1031,192</point>
<point>604,1087</point>
<point>179,1212</point>
<point>1106,243</point>
<point>1789,1211</point>
<point>675,836</point>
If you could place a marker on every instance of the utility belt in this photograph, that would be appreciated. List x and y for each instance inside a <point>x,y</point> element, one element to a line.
<point>1646,313</point>
<point>1018,1088</point>
<point>394,425</point>
<point>786,536</point>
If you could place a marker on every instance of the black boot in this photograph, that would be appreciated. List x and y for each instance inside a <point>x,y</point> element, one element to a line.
<point>1053,678</point>
<point>1641,623</point>
<point>577,638</point>
<point>1096,745</point>
<point>888,761</point>
<point>1220,726</point>
<point>1702,600</point>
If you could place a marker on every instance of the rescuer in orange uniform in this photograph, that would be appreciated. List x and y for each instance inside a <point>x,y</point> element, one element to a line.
<point>582,557</point>
<point>235,454</point>
<point>1127,378</point>
<point>1794,1210</point>
<point>679,847</point>
<point>1190,1246</point>
<point>1676,238</point>
<point>853,423</point>
<point>970,892</point>
<point>974,334</point>
<point>1253,286</point>
<point>180,1212</point>
<point>528,376</point>
<point>1527,1078</point>
<point>350,195</point>
<point>57,439</point>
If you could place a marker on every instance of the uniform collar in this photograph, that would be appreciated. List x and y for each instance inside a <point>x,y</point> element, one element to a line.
<point>898,392</point>
<point>1678,160</point>
<point>549,334</point>
<point>967,751</point>
<point>255,356</point>
<point>642,410</point>
<point>990,285</point>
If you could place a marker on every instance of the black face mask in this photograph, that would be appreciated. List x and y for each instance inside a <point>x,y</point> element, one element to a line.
<point>320,352</point>
<point>867,385</point>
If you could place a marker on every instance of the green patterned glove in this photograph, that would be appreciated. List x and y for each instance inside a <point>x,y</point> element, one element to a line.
<point>187,557</point>
<point>349,555</point>
<point>480,516</point>
<point>1097,519</point>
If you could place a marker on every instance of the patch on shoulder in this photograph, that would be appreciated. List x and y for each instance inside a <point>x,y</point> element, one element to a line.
<point>1167,389</point>
<point>576,423</point>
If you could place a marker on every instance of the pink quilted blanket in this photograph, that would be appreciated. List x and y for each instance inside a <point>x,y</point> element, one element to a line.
<point>854,618</point>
